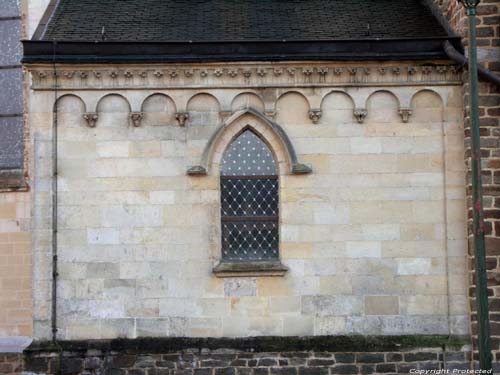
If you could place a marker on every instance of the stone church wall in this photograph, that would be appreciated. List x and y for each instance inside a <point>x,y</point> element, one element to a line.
<point>374,238</point>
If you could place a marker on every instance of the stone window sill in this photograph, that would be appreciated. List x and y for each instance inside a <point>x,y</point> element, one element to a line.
<point>245,269</point>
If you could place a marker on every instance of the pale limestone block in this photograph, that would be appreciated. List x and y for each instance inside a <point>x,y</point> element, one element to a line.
<point>131,216</point>
<point>204,327</point>
<point>162,197</point>
<point>214,306</point>
<point>383,232</point>
<point>460,325</point>
<point>326,305</point>
<point>366,266</point>
<point>288,213</point>
<point>401,285</point>
<point>172,148</point>
<point>133,270</point>
<point>145,149</point>
<point>273,286</point>
<point>409,248</point>
<point>152,327</point>
<point>427,179</point>
<point>417,232</point>
<point>239,287</point>
<point>72,271</point>
<point>308,285</point>
<point>143,308</point>
<point>349,129</point>
<point>285,305</point>
<point>235,326</point>
<point>290,250</point>
<point>362,285</point>
<point>347,233</point>
<point>89,289</point>
<point>363,249</point>
<point>458,282</point>
<point>455,210</point>
<point>365,145</point>
<point>289,233</point>
<point>265,326</point>
<point>333,285</point>
<point>330,325</point>
<point>364,212</point>
<point>113,149</point>
<point>297,267</point>
<point>298,325</point>
<point>113,328</point>
<point>179,307</point>
<point>424,305</point>
<point>381,305</point>
<point>72,168</point>
<point>331,214</point>
<point>324,146</point>
<point>178,327</point>
<point>117,288</point>
<point>419,163</point>
<point>428,145</point>
<point>249,306</point>
<point>414,266</point>
<point>322,267</point>
<point>103,236</point>
<point>428,211</point>
<point>397,145</point>
<point>363,163</point>
<point>76,150</point>
<point>396,212</point>
<point>151,288</point>
<point>83,329</point>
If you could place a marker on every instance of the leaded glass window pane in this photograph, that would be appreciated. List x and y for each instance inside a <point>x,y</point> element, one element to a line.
<point>249,201</point>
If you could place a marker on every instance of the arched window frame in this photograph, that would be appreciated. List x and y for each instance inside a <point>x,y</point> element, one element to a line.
<point>284,155</point>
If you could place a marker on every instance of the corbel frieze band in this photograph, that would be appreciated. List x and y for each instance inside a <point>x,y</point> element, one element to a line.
<point>252,75</point>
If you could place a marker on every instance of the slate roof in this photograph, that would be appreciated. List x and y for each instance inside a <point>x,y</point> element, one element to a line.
<point>240,20</point>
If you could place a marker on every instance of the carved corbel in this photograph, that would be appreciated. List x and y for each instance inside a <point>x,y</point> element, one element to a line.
<point>197,170</point>
<point>136,118</point>
<point>91,118</point>
<point>405,114</point>
<point>181,118</point>
<point>360,114</point>
<point>315,115</point>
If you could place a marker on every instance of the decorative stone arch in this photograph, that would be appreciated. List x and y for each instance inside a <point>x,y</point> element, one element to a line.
<point>430,112</point>
<point>270,132</point>
<point>56,103</point>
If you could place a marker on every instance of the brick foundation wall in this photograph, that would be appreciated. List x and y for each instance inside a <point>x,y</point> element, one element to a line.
<point>284,358</point>
<point>488,41</point>
<point>10,364</point>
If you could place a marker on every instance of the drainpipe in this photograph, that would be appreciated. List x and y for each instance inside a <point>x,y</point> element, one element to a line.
<point>54,202</point>
<point>55,273</point>
<point>483,323</point>
<point>484,73</point>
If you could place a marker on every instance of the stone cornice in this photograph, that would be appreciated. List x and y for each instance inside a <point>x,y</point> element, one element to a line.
<point>231,75</point>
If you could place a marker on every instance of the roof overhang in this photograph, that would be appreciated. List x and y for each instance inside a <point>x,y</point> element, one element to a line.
<point>71,52</point>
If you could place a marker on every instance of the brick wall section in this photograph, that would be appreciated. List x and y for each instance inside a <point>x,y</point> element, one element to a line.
<point>230,362</point>
<point>15,265</point>
<point>10,364</point>
<point>488,32</point>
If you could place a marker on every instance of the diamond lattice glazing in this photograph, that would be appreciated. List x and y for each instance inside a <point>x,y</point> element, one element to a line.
<point>249,201</point>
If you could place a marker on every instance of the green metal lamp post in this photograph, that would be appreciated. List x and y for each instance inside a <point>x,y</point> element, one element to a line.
<point>477,196</point>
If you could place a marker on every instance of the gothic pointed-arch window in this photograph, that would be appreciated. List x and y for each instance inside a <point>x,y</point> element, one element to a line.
<point>249,201</point>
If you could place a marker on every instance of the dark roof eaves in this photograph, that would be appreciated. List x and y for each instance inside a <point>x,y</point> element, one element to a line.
<point>172,52</point>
